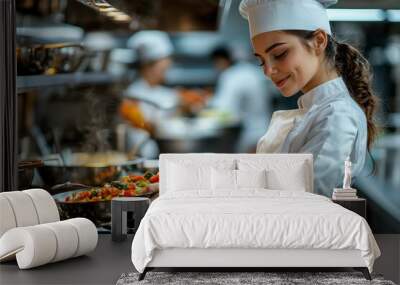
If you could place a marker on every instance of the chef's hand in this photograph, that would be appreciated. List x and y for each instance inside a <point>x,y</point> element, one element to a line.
<point>192,100</point>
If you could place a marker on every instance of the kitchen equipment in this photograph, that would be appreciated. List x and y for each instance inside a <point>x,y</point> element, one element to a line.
<point>49,58</point>
<point>100,46</point>
<point>93,169</point>
<point>26,171</point>
<point>182,135</point>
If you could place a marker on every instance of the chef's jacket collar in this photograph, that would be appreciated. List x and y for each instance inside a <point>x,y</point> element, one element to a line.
<point>322,92</point>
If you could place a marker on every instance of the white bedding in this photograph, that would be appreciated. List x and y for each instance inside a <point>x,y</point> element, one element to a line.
<point>254,218</point>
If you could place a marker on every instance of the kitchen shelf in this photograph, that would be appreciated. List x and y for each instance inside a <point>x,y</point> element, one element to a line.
<point>29,82</point>
<point>178,75</point>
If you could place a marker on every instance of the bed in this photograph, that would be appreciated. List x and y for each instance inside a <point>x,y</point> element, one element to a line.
<point>247,211</point>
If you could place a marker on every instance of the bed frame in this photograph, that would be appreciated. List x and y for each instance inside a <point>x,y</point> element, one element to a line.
<point>260,259</point>
<point>242,259</point>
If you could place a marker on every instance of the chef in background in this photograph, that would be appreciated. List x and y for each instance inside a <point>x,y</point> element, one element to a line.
<point>146,100</point>
<point>242,91</point>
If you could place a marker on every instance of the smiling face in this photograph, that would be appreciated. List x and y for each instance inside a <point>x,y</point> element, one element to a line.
<point>288,62</point>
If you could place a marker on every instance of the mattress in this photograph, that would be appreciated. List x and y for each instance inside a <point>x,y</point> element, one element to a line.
<point>250,219</point>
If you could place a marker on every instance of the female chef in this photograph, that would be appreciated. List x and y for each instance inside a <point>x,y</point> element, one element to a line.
<point>297,51</point>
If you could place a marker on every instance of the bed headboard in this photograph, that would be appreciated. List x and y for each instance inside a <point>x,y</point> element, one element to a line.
<point>281,162</point>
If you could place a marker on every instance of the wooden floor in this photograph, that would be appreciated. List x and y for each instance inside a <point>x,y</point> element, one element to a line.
<point>103,266</point>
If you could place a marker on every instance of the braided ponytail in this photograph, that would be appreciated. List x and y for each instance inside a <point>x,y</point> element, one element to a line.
<point>356,73</point>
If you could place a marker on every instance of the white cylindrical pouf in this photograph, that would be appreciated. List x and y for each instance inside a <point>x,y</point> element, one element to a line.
<point>45,205</point>
<point>34,246</point>
<point>66,237</point>
<point>23,208</point>
<point>7,218</point>
<point>87,235</point>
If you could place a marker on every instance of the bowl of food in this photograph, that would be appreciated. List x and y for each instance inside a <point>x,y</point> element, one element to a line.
<point>94,203</point>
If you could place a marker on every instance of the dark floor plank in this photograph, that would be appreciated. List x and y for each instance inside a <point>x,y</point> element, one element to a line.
<point>102,266</point>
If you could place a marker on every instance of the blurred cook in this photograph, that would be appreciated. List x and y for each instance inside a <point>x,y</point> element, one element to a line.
<point>243,92</point>
<point>155,101</point>
<point>146,100</point>
<point>297,51</point>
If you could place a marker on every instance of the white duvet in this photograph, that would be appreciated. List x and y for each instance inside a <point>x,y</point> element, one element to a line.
<point>250,219</point>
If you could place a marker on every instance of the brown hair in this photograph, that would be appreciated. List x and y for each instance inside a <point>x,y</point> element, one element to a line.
<point>356,72</point>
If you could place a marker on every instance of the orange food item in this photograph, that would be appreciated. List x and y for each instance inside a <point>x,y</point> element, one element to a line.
<point>130,111</point>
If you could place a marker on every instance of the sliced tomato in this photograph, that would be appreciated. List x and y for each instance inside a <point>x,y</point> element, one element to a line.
<point>154,179</point>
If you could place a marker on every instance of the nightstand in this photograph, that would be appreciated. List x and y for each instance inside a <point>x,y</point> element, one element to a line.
<point>120,207</point>
<point>357,205</point>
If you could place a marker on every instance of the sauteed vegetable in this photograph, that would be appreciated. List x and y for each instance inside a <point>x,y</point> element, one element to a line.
<point>128,186</point>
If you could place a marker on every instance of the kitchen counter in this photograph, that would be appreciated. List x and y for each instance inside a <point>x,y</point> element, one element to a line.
<point>102,266</point>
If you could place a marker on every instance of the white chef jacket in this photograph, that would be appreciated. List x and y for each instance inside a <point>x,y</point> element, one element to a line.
<point>281,124</point>
<point>166,97</point>
<point>242,90</point>
<point>331,126</point>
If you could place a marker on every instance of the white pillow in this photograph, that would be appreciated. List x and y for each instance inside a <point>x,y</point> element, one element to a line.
<point>182,177</point>
<point>282,174</point>
<point>225,179</point>
<point>251,178</point>
<point>293,180</point>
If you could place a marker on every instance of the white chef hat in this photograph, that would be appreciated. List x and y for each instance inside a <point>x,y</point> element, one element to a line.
<point>150,45</point>
<point>278,15</point>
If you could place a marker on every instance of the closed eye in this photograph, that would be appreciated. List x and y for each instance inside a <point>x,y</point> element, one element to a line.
<point>281,55</point>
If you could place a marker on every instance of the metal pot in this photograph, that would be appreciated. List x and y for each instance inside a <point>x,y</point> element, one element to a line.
<point>49,58</point>
<point>86,168</point>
